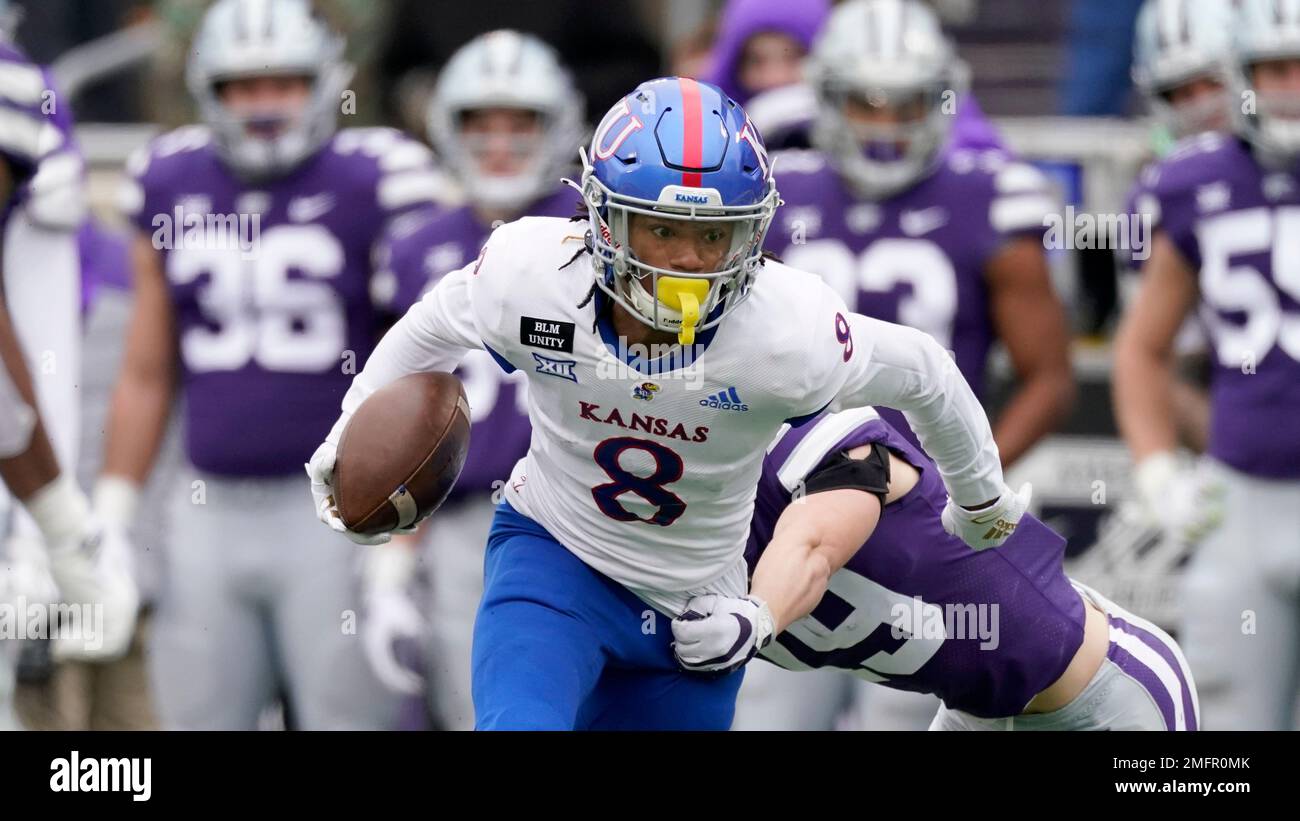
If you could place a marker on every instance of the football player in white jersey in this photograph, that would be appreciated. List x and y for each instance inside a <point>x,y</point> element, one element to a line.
<point>653,392</point>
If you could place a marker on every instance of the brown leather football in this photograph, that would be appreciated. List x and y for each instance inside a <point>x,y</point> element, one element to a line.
<point>401,452</point>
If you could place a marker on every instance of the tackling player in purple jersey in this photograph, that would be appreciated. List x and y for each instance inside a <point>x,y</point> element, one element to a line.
<point>252,257</point>
<point>848,552</point>
<point>506,114</point>
<point>910,230</point>
<point>1226,210</point>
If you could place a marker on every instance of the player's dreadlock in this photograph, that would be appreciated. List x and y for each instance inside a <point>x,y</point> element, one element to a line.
<point>586,248</point>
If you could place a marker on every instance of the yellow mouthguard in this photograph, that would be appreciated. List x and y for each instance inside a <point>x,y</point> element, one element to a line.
<point>684,295</point>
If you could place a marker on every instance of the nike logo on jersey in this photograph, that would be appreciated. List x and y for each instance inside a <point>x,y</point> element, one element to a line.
<point>447,256</point>
<point>863,217</point>
<point>727,400</point>
<point>307,209</point>
<point>1213,197</point>
<point>1278,187</point>
<point>919,223</point>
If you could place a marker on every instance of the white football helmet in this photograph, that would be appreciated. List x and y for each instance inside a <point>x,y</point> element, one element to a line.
<point>884,53</point>
<point>1179,41</point>
<point>507,69</point>
<point>1266,30</point>
<point>258,38</point>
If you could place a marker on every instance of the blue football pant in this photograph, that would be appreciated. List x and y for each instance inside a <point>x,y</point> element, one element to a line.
<point>558,646</point>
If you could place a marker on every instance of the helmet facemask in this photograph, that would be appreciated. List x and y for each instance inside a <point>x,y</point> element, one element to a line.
<point>678,302</point>
<point>1274,123</point>
<point>495,190</point>
<point>241,41</point>
<point>269,143</point>
<point>1210,111</point>
<point>881,158</point>
<point>515,73</point>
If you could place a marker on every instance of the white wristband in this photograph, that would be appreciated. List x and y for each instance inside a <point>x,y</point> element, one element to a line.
<point>1153,475</point>
<point>60,510</point>
<point>389,566</point>
<point>116,499</point>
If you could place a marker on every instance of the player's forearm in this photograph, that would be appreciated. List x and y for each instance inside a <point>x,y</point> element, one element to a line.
<point>792,576</point>
<point>35,466</point>
<point>1192,414</point>
<point>814,538</point>
<point>1036,409</point>
<point>910,372</point>
<point>1144,399</point>
<point>137,422</point>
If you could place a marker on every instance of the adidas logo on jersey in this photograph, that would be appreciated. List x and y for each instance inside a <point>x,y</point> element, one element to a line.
<point>726,400</point>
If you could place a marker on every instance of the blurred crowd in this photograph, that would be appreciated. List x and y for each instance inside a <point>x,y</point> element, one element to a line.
<point>398,45</point>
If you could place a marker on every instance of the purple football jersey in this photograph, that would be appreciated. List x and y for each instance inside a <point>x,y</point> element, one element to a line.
<point>270,284</point>
<point>916,608</point>
<point>917,258</point>
<point>419,250</point>
<point>1238,224</point>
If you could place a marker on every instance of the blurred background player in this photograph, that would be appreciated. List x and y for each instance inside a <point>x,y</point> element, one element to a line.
<point>909,230</point>
<point>41,204</point>
<point>252,265</point>
<point>761,55</point>
<point>758,57</point>
<point>506,116</point>
<point>1181,54</point>
<point>48,232</point>
<point>1227,210</point>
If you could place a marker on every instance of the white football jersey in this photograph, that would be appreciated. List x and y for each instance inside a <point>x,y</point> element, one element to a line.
<point>649,475</point>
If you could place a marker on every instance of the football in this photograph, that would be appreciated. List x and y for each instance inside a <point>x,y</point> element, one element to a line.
<point>401,452</point>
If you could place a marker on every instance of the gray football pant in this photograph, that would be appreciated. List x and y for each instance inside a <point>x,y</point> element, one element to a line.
<point>1241,615</point>
<point>258,598</point>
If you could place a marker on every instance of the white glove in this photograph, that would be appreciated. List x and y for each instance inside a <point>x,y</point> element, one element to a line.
<point>989,526</point>
<point>321,472</point>
<point>93,567</point>
<point>391,616</point>
<point>25,577</point>
<point>96,570</point>
<point>1186,505</point>
<point>720,633</point>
